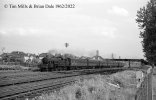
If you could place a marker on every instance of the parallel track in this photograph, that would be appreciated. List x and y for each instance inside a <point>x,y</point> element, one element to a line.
<point>19,89</point>
<point>30,79</point>
<point>33,77</point>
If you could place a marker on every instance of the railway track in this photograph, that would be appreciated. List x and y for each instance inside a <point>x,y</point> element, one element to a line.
<point>18,90</point>
<point>22,80</point>
<point>23,86</point>
<point>13,79</point>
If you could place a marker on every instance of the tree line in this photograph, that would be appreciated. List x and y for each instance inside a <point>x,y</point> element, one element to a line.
<point>146,19</point>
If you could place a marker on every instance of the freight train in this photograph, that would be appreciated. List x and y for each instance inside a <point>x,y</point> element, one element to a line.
<point>60,63</point>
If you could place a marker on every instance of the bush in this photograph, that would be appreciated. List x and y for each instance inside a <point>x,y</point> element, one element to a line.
<point>13,67</point>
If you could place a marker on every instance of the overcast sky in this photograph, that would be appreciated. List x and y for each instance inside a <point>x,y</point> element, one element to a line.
<point>105,25</point>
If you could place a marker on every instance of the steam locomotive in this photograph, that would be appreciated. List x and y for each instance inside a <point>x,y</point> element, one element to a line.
<point>60,63</point>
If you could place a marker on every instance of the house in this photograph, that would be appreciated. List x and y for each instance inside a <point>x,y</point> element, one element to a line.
<point>42,55</point>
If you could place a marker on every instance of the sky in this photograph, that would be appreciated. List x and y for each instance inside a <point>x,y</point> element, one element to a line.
<point>105,25</point>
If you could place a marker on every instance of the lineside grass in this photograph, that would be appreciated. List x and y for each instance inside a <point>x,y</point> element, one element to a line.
<point>119,86</point>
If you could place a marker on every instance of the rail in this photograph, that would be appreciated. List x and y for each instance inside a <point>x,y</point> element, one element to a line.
<point>22,87</point>
<point>19,90</point>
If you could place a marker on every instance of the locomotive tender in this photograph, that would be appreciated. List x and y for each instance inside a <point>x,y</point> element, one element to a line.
<point>60,63</point>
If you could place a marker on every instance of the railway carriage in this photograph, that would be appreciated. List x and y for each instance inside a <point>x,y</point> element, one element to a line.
<point>60,63</point>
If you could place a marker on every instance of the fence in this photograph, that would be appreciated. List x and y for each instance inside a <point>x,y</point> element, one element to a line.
<point>145,90</point>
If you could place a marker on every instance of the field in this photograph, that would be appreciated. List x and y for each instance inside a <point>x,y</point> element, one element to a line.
<point>119,86</point>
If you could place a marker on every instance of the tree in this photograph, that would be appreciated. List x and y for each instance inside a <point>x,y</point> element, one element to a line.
<point>3,49</point>
<point>146,19</point>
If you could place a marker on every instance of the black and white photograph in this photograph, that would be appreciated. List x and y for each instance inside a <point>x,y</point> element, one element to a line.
<point>77,49</point>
